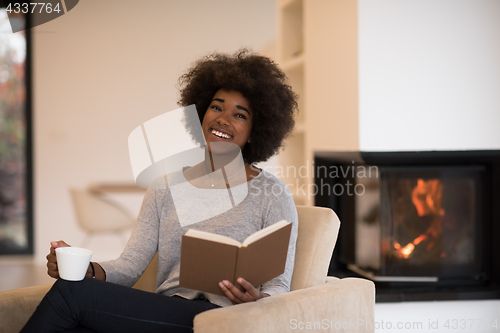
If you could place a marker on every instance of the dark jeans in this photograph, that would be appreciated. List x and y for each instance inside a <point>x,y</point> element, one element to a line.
<point>96,306</point>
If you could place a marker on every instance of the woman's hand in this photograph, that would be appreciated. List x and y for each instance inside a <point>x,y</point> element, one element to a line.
<point>52,259</point>
<point>236,296</point>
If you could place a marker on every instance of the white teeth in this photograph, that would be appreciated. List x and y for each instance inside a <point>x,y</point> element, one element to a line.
<point>220,134</point>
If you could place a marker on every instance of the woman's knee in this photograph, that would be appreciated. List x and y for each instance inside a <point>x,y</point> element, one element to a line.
<point>69,289</point>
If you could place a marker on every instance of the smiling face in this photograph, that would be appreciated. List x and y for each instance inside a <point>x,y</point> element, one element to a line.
<point>228,119</point>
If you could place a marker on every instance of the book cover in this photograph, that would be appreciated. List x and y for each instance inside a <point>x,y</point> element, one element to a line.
<point>207,260</point>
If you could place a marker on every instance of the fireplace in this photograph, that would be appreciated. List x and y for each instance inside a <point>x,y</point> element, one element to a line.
<point>419,224</point>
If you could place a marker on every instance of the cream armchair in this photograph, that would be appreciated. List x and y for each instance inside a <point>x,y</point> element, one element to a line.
<point>316,302</point>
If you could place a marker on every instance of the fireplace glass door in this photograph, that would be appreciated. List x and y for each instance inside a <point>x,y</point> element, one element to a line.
<point>422,222</point>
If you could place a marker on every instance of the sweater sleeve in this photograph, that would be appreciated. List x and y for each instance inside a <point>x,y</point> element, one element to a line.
<point>282,208</point>
<point>141,247</point>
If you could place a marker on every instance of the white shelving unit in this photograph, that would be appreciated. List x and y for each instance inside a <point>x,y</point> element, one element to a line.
<point>291,56</point>
<point>317,49</point>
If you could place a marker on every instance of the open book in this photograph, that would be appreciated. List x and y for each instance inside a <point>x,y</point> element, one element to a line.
<point>207,258</point>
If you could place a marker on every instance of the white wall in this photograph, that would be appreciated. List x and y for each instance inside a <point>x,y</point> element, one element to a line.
<point>103,69</point>
<point>429,74</point>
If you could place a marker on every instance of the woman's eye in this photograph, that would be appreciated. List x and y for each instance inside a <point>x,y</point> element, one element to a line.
<point>216,108</point>
<point>242,116</point>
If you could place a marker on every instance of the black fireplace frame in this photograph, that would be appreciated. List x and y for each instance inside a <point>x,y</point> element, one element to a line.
<point>344,206</point>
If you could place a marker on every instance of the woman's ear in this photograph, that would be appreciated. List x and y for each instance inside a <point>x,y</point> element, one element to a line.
<point>249,140</point>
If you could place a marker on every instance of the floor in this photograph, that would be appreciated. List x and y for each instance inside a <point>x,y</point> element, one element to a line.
<point>18,272</point>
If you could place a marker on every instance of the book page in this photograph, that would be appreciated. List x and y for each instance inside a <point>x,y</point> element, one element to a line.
<point>265,258</point>
<point>264,232</point>
<point>212,237</point>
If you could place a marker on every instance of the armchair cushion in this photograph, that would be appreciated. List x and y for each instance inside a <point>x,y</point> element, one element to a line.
<point>318,231</point>
<point>341,304</point>
<point>16,306</point>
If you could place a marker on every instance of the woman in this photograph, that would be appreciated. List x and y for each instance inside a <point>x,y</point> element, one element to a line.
<point>243,102</point>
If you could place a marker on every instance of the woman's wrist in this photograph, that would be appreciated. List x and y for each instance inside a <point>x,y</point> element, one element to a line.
<point>93,270</point>
<point>90,272</point>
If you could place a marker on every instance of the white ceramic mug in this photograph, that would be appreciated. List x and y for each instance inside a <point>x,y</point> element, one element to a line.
<point>73,262</point>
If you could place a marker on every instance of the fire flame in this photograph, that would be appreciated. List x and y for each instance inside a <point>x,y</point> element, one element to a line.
<point>405,251</point>
<point>426,197</point>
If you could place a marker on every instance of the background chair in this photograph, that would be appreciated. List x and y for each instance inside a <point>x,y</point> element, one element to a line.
<point>324,303</point>
<point>97,215</point>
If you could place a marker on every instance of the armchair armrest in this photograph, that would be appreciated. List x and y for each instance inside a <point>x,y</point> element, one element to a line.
<point>17,306</point>
<point>340,304</point>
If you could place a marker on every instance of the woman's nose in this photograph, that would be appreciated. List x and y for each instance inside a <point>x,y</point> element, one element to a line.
<point>223,119</point>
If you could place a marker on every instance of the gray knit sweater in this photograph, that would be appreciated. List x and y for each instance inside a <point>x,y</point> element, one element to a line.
<point>159,228</point>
